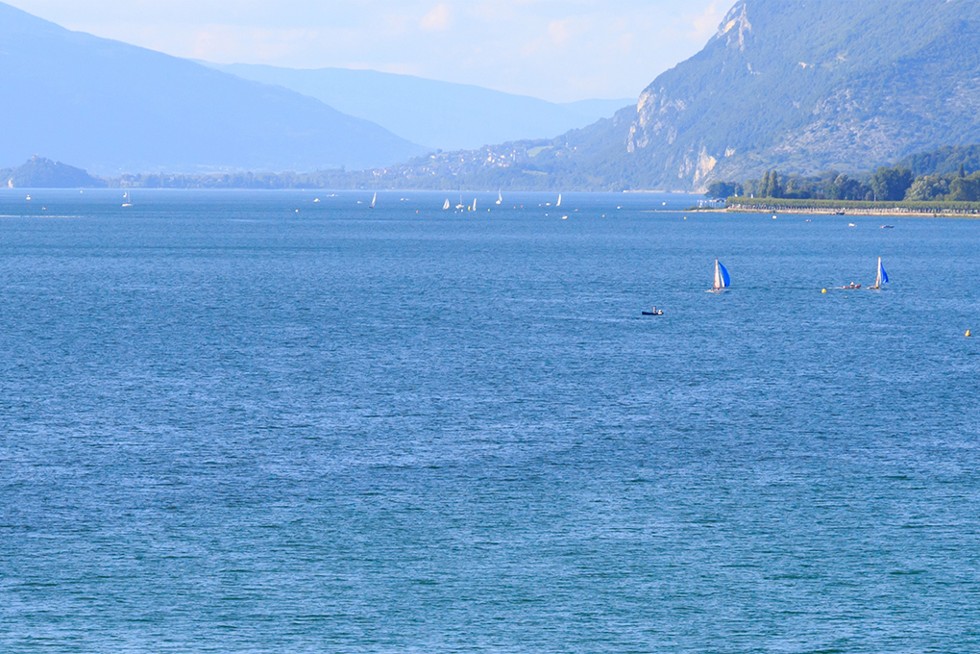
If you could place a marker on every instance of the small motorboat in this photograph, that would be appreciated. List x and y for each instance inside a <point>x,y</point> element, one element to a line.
<point>849,287</point>
<point>888,227</point>
<point>653,311</point>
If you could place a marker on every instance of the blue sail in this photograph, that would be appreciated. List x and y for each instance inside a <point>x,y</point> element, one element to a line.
<point>881,277</point>
<point>726,279</point>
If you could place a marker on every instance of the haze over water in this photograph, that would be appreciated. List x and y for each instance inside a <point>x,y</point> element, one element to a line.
<point>229,426</point>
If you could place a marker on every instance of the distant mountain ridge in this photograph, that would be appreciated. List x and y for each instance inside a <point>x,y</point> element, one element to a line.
<point>439,115</point>
<point>38,172</point>
<point>112,107</point>
<point>799,86</point>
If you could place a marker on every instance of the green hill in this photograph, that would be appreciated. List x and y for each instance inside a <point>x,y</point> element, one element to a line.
<point>44,173</point>
<point>944,161</point>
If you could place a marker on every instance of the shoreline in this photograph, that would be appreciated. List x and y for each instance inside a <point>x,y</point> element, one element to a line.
<point>910,213</point>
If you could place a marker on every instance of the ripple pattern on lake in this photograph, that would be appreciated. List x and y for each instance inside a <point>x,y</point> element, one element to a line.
<point>229,426</point>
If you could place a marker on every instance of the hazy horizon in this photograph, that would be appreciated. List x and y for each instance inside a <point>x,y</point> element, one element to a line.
<point>562,52</point>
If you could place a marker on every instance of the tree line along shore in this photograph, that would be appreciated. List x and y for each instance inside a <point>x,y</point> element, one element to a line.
<point>942,182</point>
<point>853,207</point>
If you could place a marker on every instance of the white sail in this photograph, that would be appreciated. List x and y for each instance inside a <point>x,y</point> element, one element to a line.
<point>722,278</point>
<point>445,205</point>
<point>473,206</point>
<point>558,203</point>
<point>500,197</point>
<point>881,277</point>
<point>374,200</point>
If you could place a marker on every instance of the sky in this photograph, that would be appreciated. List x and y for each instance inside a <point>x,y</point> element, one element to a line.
<point>559,50</point>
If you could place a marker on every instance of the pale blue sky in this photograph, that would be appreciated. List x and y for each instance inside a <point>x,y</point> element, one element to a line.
<point>560,50</point>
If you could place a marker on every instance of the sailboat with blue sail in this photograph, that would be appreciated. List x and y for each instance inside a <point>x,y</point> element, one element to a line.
<point>722,279</point>
<point>880,278</point>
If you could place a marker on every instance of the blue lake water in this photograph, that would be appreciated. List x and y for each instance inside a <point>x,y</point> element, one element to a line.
<point>228,426</point>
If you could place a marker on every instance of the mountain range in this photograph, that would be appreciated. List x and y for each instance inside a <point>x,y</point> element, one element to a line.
<point>813,85</point>
<point>112,107</point>
<point>799,86</point>
<point>439,115</point>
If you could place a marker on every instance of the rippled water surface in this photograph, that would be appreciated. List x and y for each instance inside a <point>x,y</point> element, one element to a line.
<point>227,425</point>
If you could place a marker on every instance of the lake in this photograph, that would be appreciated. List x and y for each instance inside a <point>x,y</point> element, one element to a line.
<point>249,421</point>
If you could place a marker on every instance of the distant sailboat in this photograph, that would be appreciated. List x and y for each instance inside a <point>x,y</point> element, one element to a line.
<point>127,201</point>
<point>558,203</point>
<point>500,198</point>
<point>880,278</point>
<point>445,205</point>
<point>473,206</point>
<point>722,279</point>
<point>374,201</point>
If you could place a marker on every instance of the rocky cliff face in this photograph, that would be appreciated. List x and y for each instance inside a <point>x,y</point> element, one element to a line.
<point>802,86</point>
<point>812,85</point>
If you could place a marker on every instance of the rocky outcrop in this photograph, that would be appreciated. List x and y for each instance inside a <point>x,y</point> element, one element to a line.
<point>39,172</point>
